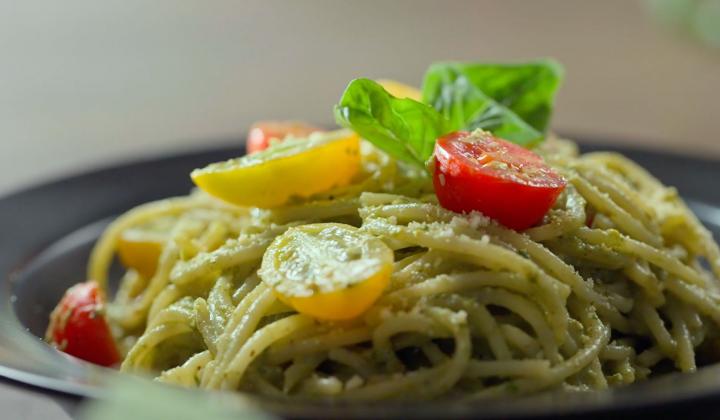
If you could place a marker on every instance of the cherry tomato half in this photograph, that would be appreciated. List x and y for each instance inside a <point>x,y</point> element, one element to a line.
<point>329,271</point>
<point>504,181</point>
<point>270,178</point>
<point>262,132</point>
<point>78,326</point>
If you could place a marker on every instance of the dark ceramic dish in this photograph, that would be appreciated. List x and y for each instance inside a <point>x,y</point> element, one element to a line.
<point>47,232</point>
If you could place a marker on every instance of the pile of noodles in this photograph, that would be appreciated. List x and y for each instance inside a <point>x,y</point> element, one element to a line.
<point>617,283</point>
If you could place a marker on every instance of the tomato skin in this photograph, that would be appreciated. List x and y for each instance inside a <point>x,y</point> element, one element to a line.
<point>262,132</point>
<point>78,326</point>
<point>140,254</point>
<point>504,181</point>
<point>269,179</point>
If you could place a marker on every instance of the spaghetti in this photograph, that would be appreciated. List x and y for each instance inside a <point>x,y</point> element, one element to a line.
<point>618,282</point>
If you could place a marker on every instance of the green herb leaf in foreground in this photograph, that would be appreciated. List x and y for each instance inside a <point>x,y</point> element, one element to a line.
<point>513,101</point>
<point>138,399</point>
<point>404,128</point>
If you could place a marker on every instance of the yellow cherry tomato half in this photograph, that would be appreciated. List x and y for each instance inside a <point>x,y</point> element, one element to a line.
<point>400,90</point>
<point>330,271</point>
<point>294,168</point>
<point>140,250</point>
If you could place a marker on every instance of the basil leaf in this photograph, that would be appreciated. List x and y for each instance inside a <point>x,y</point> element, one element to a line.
<point>526,89</point>
<point>403,128</point>
<point>513,101</point>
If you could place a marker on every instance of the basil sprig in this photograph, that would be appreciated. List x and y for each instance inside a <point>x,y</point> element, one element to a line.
<point>513,101</point>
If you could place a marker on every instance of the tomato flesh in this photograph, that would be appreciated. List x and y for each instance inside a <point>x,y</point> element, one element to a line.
<point>263,132</point>
<point>329,271</point>
<point>78,326</point>
<point>504,181</point>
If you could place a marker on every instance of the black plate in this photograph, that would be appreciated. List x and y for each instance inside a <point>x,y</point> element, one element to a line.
<point>47,232</point>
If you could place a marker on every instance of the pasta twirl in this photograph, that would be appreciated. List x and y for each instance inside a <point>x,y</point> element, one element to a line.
<point>615,281</point>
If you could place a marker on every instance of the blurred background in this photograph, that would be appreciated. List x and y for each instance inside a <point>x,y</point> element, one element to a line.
<point>87,83</point>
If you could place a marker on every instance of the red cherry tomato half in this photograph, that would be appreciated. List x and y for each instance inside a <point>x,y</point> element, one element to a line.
<point>262,132</point>
<point>504,181</point>
<point>78,326</point>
